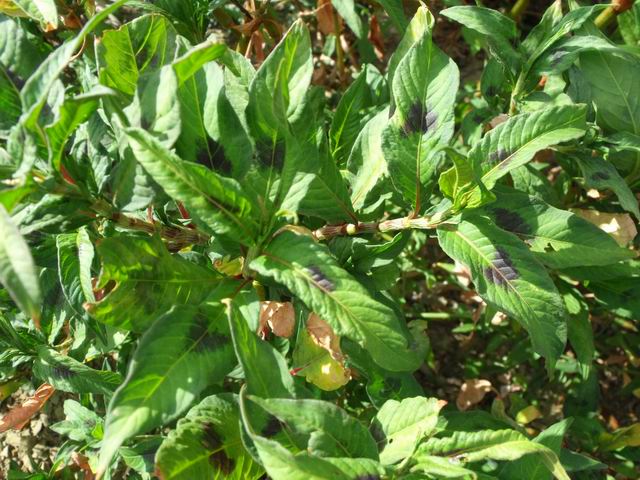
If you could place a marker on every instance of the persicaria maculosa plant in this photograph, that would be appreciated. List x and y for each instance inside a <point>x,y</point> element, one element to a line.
<point>232,255</point>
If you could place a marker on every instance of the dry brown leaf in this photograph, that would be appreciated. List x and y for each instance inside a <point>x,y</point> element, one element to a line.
<point>326,17</point>
<point>619,225</point>
<point>19,416</point>
<point>82,463</point>
<point>472,392</point>
<point>279,317</point>
<point>323,336</point>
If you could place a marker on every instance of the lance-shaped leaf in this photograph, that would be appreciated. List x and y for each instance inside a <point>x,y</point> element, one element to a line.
<point>496,29</point>
<point>43,11</point>
<point>72,113</point>
<point>463,441</point>
<point>10,105</point>
<point>18,273</point>
<point>515,142</point>
<point>400,426</point>
<point>421,22</point>
<point>332,431</point>
<point>35,91</point>
<point>206,444</point>
<point>280,84</point>
<point>366,160</point>
<point>188,64</point>
<point>352,112</point>
<point>423,90</point>
<point>142,281</point>
<point>310,272</point>
<point>144,44</point>
<point>560,239</point>
<point>507,276</point>
<point>69,375</point>
<point>184,351</point>
<point>279,462</point>
<point>600,174</point>
<point>215,202</point>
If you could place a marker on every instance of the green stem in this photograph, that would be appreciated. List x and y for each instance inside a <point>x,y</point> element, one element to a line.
<point>404,223</point>
<point>518,9</point>
<point>605,17</point>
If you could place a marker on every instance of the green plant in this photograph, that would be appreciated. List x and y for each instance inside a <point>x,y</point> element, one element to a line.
<point>161,194</point>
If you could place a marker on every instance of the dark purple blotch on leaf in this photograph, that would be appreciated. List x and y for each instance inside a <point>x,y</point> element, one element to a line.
<point>272,427</point>
<point>320,278</point>
<point>204,339</point>
<point>600,176</point>
<point>63,372</point>
<point>271,155</point>
<point>502,269</point>
<point>498,156</point>
<point>510,221</point>
<point>368,476</point>
<point>212,442</point>
<point>419,120</point>
<point>212,156</point>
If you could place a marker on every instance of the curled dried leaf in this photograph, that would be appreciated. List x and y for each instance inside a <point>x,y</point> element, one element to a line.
<point>279,317</point>
<point>472,392</point>
<point>20,415</point>
<point>619,225</point>
<point>323,336</point>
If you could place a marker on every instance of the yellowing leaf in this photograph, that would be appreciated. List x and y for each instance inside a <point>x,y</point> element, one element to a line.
<point>619,225</point>
<point>280,318</point>
<point>8,7</point>
<point>472,392</point>
<point>623,437</point>
<point>528,415</point>
<point>318,357</point>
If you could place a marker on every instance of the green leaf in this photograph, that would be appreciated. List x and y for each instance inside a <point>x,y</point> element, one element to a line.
<point>530,466</point>
<point>424,91</point>
<point>421,23</point>
<point>559,238</point>
<point>580,332</point>
<point>614,90</point>
<point>183,352</point>
<point>495,28</point>
<point>143,281</point>
<point>401,426</point>
<point>280,463</point>
<point>69,375</point>
<point>438,467</point>
<point>629,25</point>
<point>265,369</point>
<point>396,14</point>
<point>367,161</point>
<point>216,203</point>
<point>72,113</point>
<point>347,10</point>
<point>18,273</point>
<point>206,443</point>
<point>69,271</point>
<point>507,276</point>
<point>280,84</point>
<point>35,92</point>
<point>461,441</point>
<point>601,174</point>
<point>43,11</point>
<point>86,253</point>
<point>309,272</point>
<point>80,423</point>
<point>146,43</point>
<point>10,105</point>
<point>195,58</point>
<point>515,142</point>
<point>351,114</point>
<point>333,432</point>
<point>515,450</point>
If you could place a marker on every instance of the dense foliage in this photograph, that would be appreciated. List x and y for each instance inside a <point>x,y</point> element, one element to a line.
<point>262,238</point>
